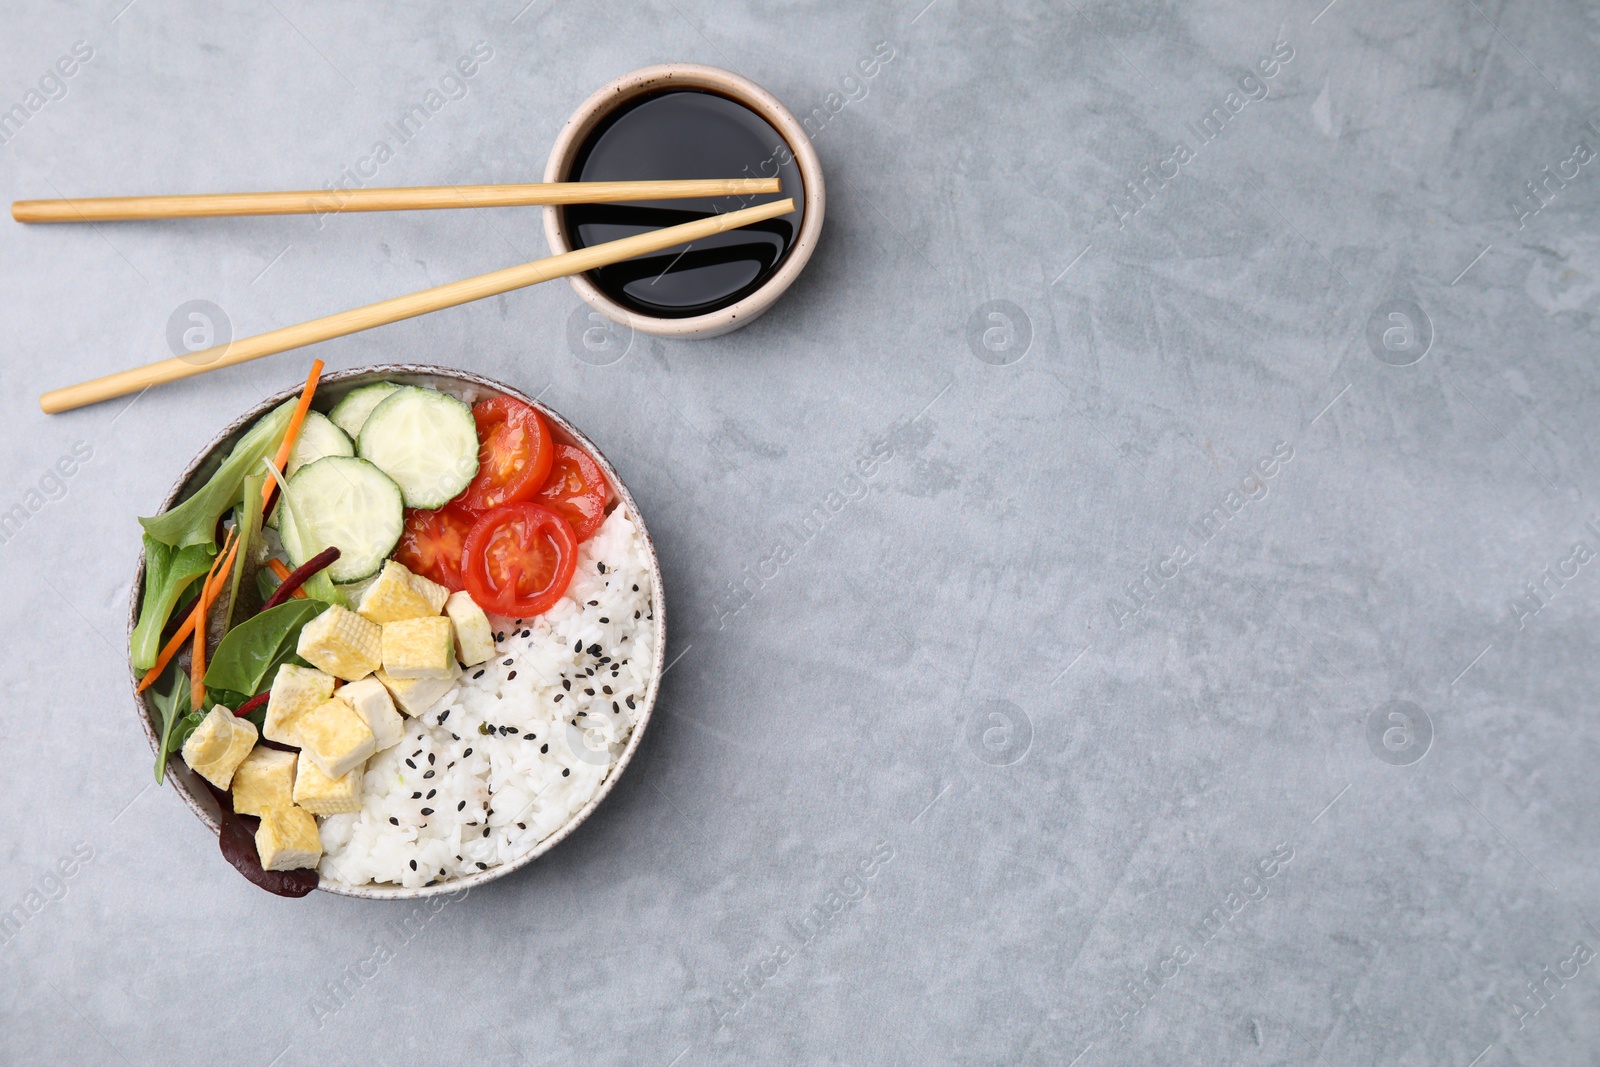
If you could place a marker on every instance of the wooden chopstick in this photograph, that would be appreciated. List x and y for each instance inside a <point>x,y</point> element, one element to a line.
<point>334,201</point>
<point>403,307</point>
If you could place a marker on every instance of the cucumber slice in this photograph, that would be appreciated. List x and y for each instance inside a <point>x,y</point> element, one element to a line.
<point>426,441</point>
<point>346,502</point>
<point>318,439</point>
<point>349,413</point>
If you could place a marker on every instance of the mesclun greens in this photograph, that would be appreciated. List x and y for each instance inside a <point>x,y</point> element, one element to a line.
<point>168,573</point>
<point>247,520</point>
<point>194,522</point>
<point>251,652</point>
<point>171,706</point>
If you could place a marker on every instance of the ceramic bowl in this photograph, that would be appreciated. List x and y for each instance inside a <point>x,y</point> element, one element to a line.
<point>593,111</point>
<point>471,387</point>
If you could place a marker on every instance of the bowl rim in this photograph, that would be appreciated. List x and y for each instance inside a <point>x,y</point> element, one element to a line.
<point>193,790</point>
<point>620,90</point>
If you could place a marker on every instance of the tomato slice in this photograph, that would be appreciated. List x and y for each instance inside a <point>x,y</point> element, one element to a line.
<point>515,451</point>
<point>576,490</point>
<point>519,559</point>
<point>433,543</point>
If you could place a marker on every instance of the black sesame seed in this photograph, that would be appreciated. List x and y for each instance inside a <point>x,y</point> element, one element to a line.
<point>508,663</point>
<point>527,633</point>
<point>461,805</point>
<point>629,702</point>
<point>635,615</point>
<point>456,736</point>
<point>443,715</point>
<point>529,737</point>
<point>427,811</point>
<point>594,603</point>
<point>606,689</point>
<point>558,697</point>
<point>413,766</point>
<point>604,619</point>
<point>468,752</point>
<point>482,866</point>
<point>589,691</point>
<point>565,771</point>
<point>578,647</point>
<point>427,774</point>
<point>413,865</point>
<point>594,649</point>
<point>602,567</point>
<point>510,676</point>
<point>485,831</point>
<point>522,826</point>
<point>480,673</point>
<point>635,589</point>
<point>416,796</point>
<point>430,758</point>
<point>566,683</point>
<point>447,766</point>
<point>431,794</point>
<point>394,821</point>
<point>544,748</point>
<point>614,706</point>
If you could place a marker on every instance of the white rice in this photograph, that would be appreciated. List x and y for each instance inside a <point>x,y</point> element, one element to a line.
<point>521,744</point>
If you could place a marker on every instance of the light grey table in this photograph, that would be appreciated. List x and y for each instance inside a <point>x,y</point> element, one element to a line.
<point>1203,674</point>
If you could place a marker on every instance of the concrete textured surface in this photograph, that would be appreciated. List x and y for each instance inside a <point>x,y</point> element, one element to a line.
<point>1202,670</point>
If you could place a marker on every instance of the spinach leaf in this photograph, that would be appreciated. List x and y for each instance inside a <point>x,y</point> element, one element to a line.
<point>252,651</point>
<point>167,575</point>
<point>194,522</point>
<point>171,706</point>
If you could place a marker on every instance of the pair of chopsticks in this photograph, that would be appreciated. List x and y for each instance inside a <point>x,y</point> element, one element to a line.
<point>310,202</point>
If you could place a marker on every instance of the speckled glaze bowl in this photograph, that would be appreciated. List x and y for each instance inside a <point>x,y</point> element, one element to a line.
<point>472,387</point>
<point>593,111</point>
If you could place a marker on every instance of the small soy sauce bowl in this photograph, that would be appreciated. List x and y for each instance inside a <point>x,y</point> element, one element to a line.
<point>675,121</point>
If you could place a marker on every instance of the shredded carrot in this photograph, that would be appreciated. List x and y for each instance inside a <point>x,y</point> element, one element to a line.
<point>213,583</point>
<point>281,460</point>
<point>282,572</point>
<point>208,593</point>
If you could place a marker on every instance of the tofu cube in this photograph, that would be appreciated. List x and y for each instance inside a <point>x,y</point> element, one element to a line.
<point>372,702</point>
<point>335,738</point>
<point>321,795</point>
<point>296,691</point>
<point>264,780</point>
<point>287,839</point>
<point>417,695</point>
<point>397,594</point>
<point>218,745</point>
<point>473,635</point>
<point>342,643</point>
<point>419,648</point>
<point>431,591</point>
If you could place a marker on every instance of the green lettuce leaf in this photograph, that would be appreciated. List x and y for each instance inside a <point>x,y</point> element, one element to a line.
<point>168,573</point>
<point>194,522</point>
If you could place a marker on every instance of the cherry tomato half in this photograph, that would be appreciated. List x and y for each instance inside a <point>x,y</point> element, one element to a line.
<point>519,559</point>
<point>576,490</point>
<point>515,451</point>
<point>433,543</point>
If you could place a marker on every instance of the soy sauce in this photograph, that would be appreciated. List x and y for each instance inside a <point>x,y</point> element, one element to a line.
<point>675,134</point>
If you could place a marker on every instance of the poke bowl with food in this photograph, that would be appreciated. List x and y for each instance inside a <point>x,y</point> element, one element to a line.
<point>395,633</point>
